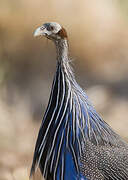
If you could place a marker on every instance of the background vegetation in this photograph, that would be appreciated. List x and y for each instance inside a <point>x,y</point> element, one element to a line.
<point>98,36</point>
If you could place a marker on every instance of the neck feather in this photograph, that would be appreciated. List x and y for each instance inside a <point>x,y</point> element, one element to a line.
<point>62,50</point>
<point>63,59</point>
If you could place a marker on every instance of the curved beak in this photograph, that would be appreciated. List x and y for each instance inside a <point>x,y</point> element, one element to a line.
<point>39,31</point>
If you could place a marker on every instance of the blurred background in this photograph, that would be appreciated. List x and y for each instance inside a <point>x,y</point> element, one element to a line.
<point>98,37</point>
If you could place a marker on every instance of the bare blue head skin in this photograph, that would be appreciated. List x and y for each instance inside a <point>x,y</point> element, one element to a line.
<point>58,35</point>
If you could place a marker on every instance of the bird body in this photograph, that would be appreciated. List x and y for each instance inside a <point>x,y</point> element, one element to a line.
<point>74,142</point>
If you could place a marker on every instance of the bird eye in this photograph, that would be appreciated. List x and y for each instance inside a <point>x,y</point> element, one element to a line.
<point>50,28</point>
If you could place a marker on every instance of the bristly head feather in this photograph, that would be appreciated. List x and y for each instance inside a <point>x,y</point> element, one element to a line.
<point>62,33</point>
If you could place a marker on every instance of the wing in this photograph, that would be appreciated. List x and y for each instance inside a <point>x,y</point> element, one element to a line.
<point>104,155</point>
<point>104,162</point>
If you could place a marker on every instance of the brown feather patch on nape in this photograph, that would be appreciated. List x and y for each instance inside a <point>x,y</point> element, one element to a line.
<point>62,33</point>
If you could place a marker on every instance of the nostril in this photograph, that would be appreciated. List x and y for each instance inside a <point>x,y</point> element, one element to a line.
<point>42,28</point>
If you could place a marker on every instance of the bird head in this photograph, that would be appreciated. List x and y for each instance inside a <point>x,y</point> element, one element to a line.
<point>51,30</point>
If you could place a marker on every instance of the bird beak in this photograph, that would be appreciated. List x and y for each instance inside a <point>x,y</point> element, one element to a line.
<point>38,32</point>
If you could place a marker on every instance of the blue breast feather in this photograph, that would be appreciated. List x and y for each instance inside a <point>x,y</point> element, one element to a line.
<point>69,120</point>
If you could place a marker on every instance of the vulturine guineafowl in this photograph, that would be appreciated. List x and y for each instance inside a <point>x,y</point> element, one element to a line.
<point>74,142</point>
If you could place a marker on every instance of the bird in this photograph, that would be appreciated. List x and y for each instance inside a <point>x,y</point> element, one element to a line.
<point>74,142</point>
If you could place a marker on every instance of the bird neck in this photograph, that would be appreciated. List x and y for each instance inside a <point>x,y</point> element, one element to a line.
<point>62,50</point>
<point>63,58</point>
